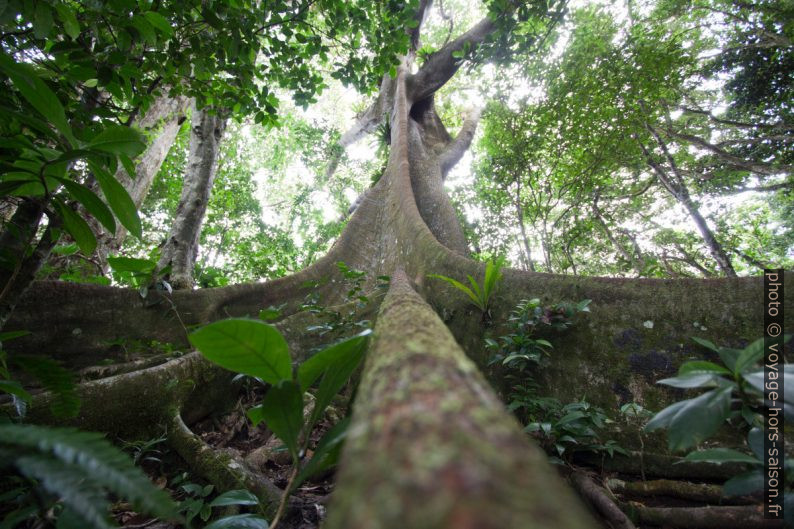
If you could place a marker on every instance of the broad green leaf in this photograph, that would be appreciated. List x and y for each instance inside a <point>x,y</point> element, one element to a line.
<point>705,343</point>
<point>12,387</point>
<point>326,454</point>
<point>690,380</point>
<point>335,377</point>
<point>785,380</point>
<point>702,366</point>
<point>245,346</point>
<point>755,439</point>
<point>239,521</point>
<point>729,357</point>
<point>235,497</point>
<point>117,139</point>
<point>92,203</point>
<point>159,22</point>
<point>131,264</point>
<point>310,370</point>
<point>698,419</point>
<point>70,24</point>
<point>118,199</point>
<point>721,455</point>
<point>750,355</point>
<point>744,484</point>
<point>282,411</point>
<point>77,228</point>
<point>10,335</point>
<point>42,20</point>
<point>38,94</point>
<point>145,29</point>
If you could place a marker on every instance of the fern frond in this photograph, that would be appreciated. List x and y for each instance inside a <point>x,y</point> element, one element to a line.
<point>56,380</point>
<point>72,485</point>
<point>97,459</point>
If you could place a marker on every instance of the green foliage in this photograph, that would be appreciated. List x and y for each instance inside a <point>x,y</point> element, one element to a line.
<point>735,394</point>
<point>561,429</point>
<point>480,296</point>
<point>257,349</point>
<point>734,391</point>
<point>573,427</point>
<point>196,503</point>
<point>78,469</point>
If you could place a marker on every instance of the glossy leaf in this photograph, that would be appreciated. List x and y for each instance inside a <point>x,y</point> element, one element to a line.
<point>77,228</point>
<point>744,484</point>
<point>326,454</point>
<point>310,370</point>
<point>235,497</point>
<point>92,203</point>
<point>282,411</point>
<point>239,521</point>
<point>722,455</point>
<point>116,139</point>
<point>118,198</point>
<point>245,346</point>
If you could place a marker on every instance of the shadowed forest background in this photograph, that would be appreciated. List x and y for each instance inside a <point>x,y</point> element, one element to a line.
<point>393,264</point>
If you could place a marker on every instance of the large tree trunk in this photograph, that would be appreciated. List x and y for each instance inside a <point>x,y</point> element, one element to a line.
<point>181,247</point>
<point>161,124</point>
<point>430,446</point>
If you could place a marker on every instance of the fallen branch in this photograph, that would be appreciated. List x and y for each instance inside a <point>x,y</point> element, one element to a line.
<point>599,498</point>
<point>698,517</point>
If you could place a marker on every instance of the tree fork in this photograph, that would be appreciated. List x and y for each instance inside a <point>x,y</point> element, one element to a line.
<point>431,446</point>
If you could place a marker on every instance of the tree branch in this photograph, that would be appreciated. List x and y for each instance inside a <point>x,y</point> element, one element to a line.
<point>458,147</point>
<point>441,66</point>
<point>753,167</point>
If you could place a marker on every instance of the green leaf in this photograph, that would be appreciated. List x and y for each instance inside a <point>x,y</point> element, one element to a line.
<point>235,497</point>
<point>282,411</point>
<point>702,366</point>
<point>70,24</point>
<point>460,286</point>
<point>744,484</point>
<point>705,343</point>
<point>12,387</point>
<point>239,521</point>
<point>326,454</point>
<point>336,376</point>
<point>159,22</point>
<point>698,418</point>
<point>750,356</point>
<point>10,335</point>
<point>131,264</point>
<point>145,29</point>
<point>755,439</point>
<point>690,380</point>
<point>77,228</point>
<point>118,199</point>
<point>118,139</point>
<point>93,204</point>
<point>722,455</point>
<point>310,370</point>
<point>38,94</point>
<point>246,346</point>
<point>42,20</point>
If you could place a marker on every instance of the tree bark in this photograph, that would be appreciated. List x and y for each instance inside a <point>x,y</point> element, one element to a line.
<point>181,247</point>
<point>430,445</point>
<point>678,189</point>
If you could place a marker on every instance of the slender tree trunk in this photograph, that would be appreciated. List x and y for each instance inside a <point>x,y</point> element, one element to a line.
<point>181,247</point>
<point>523,228</point>
<point>678,189</point>
<point>161,124</point>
